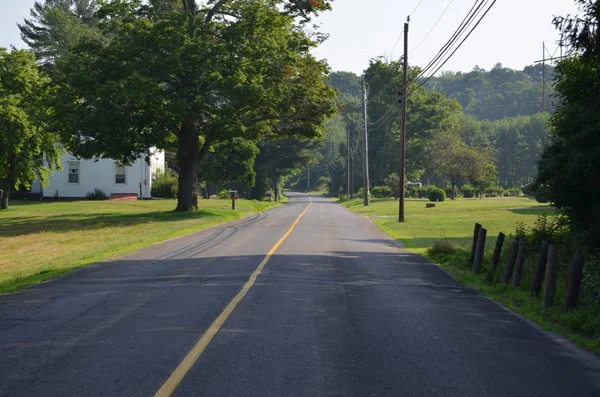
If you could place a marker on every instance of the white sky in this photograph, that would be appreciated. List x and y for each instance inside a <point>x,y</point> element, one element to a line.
<point>512,33</point>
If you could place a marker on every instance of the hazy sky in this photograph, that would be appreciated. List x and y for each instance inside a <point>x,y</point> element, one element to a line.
<point>512,33</point>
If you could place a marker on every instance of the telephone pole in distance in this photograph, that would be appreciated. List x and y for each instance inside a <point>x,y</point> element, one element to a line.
<point>403,103</point>
<point>366,167</point>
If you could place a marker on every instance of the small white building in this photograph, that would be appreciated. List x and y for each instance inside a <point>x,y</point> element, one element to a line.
<point>79,177</point>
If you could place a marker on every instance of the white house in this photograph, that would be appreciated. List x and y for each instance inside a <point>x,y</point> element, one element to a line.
<point>79,177</point>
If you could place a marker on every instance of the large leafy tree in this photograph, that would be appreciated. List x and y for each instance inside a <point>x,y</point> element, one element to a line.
<point>449,157</point>
<point>202,73</point>
<point>570,164</point>
<point>27,149</point>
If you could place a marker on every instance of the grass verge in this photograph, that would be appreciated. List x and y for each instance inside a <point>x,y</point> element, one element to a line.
<point>448,229</point>
<point>581,326</point>
<point>45,240</point>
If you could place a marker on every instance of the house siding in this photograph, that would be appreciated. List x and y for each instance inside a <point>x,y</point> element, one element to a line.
<point>100,174</point>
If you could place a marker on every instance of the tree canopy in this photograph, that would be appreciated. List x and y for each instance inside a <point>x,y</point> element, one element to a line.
<point>570,164</point>
<point>28,150</point>
<point>203,73</point>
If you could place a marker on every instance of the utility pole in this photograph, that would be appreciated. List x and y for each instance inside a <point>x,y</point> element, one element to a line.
<point>544,77</point>
<point>352,173</point>
<point>366,167</point>
<point>348,161</point>
<point>403,101</point>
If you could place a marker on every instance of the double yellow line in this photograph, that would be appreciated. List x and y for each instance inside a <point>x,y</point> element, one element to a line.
<point>181,371</point>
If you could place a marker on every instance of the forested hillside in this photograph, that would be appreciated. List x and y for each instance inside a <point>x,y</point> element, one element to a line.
<point>498,93</point>
<point>489,118</point>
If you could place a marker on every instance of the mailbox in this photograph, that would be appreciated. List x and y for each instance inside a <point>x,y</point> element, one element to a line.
<point>234,196</point>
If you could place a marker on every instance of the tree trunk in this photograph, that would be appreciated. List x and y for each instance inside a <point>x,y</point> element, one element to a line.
<point>453,194</point>
<point>6,186</point>
<point>189,159</point>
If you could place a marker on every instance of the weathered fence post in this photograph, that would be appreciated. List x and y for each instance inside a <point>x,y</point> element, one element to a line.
<point>551,272</point>
<point>519,263</point>
<point>479,250</point>
<point>474,245</point>
<point>575,277</point>
<point>496,257</point>
<point>540,269</point>
<point>510,262</point>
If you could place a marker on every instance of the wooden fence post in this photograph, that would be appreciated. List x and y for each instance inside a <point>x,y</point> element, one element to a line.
<point>551,272</point>
<point>519,263</point>
<point>474,245</point>
<point>479,251</point>
<point>575,277</point>
<point>540,270</point>
<point>510,262</point>
<point>496,257</point>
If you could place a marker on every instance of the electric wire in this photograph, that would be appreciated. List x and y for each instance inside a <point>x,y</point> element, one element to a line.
<point>416,8</point>
<point>433,27</point>
<point>401,34</point>
<point>455,37</point>
<point>459,45</point>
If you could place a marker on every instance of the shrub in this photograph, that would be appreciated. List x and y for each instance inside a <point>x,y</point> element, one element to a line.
<point>359,194</point>
<point>542,194</point>
<point>381,192</point>
<point>590,285</point>
<point>512,192</point>
<point>468,191</point>
<point>495,191</point>
<point>448,191</point>
<point>223,195</point>
<point>528,190</point>
<point>442,247</point>
<point>97,194</point>
<point>436,194</point>
<point>554,229</point>
<point>393,183</point>
<point>164,184</point>
<point>418,192</point>
<point>412,192</point>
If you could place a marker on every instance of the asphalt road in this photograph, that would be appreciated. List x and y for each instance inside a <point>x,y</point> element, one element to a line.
<point>338,310</point>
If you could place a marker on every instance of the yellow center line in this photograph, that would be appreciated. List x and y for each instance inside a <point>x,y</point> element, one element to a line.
<point>181,371</point>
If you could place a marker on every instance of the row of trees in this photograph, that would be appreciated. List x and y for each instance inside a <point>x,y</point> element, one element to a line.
<point>180,75</point>
<point>570,163</point>
<point>446,143</point>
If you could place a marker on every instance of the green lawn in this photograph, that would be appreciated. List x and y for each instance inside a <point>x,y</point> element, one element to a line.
<point>42,240</point>
<point>451,220</point>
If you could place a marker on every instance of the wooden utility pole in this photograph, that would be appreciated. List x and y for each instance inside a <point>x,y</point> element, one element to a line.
<point>348,161</point>
<point>404,100</point>
<point>366,167</point>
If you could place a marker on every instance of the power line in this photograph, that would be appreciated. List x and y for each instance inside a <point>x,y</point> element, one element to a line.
<point>416,8</point>
<point>459,45</point>
<point>433,27</point>
<point>455,37</point>
<point>383,119</point>
<point>402,34</point>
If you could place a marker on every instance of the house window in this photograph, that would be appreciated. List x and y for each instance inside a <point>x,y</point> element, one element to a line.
<point>74,172</point>
<point>120,174</point>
